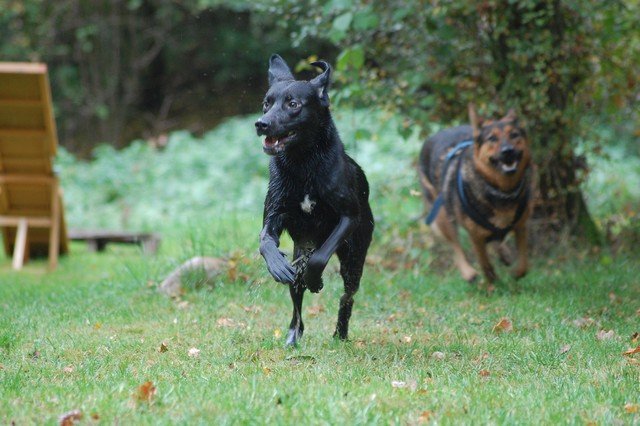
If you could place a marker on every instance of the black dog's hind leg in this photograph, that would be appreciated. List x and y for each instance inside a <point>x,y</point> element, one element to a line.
<point>352,259</point>
<point>296,290</point>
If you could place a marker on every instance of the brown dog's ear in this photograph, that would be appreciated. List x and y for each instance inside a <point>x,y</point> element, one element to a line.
<point>475,120</point>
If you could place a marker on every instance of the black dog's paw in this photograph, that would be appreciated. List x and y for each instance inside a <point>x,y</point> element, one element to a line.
<point>280,269</point>
<point>313,279</point>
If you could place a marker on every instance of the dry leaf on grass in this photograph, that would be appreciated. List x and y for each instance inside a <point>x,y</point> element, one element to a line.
<point>438,355</point>
<point>68,369</point>
<point>504,325</point>
<point>631,408</point>
<point>146,392</point>
<point>163,347</point>
<point>484,373</point>
<point>194,352</point>
<point>583,322</point>
<point>315,310</point>
<point>605,335</point>
<point>70,418</point>
<point>635,337</point>
<point>565,349</point>
<point>631,351</point>
<point>425,416</point>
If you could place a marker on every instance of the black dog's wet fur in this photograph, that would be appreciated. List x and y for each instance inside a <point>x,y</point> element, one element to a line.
<point>313,172</point>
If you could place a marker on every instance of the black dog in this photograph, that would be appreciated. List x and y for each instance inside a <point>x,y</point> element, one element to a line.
<point>317,193</point>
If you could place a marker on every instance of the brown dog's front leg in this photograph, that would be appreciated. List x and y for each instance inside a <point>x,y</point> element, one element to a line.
<point>319,259</point>
<point>480,247</point>
<point>522,266</point>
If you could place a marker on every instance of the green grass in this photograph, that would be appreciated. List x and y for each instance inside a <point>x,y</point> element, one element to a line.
<point>87,336</point>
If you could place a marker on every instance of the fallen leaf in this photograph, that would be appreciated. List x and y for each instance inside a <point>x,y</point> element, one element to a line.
<point>406,339</point>
<point>183,304</point>
<point>484,373</point>
<point>194,352</point>
<point>70,418</point>
<point>437,355</point>
<point>35,354</point>
<point>631,408</point>
<point>398,384</point>
<point>97,326</point>
<point>605,335</point>
<point>68,369</point>
<point>315,310</point>
<point>277,333</point>
<point>565,349</point>
<point>634,337</point>
<point>146,392</point>
<point>613,298</point>
<point>425,416</point>
<point>583,322</point>
<point>163,347</point>
<point>266,370</point>
<point>225,322</point>
<point>504,325</point>
<point>95,416</point>
<point>252,309</point>
<point>631,351</point>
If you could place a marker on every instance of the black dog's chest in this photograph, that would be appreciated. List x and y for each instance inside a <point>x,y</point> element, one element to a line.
<point>308,217</point>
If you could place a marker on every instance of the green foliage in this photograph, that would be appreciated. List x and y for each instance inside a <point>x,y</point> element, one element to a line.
<point>224,171</point>
<point>556,62</point>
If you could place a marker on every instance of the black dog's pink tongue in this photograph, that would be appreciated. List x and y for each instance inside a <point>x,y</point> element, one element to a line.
<point>269,140</point>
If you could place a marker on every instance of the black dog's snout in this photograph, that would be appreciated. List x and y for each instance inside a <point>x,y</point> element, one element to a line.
<point>262,126</point>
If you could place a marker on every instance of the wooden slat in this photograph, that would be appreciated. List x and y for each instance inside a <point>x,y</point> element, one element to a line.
<point>20,103</point>
<point>22,68</point>
<point>30,133</point>
<point>40,222</point>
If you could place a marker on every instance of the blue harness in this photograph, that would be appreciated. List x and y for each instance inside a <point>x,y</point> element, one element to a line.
<point>497,234</point>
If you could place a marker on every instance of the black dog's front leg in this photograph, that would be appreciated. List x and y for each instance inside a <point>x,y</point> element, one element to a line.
<point>277,264</point>
<point>320,258</point>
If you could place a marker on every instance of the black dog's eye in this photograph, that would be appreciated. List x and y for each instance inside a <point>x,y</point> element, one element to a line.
<point>293,104</point>
<point>265,105</point>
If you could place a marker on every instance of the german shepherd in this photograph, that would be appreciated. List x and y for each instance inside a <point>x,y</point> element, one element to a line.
<point>481,176</point>
<point>316,193</point>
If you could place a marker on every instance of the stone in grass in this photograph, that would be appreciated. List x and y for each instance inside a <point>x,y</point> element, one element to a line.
<point>193,274</point>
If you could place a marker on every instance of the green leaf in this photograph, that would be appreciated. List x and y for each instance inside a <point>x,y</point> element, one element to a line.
<point>352,57</point>
<point>342,22</point>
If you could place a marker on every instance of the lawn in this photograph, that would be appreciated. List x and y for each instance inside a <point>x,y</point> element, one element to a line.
<point>96,336</point>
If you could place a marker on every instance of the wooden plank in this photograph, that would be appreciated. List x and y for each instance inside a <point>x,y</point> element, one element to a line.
<point>27,179</point>
<point>20,245</point>
<point>17,103</point>
<point>8,132</point>
<point>22,68</point>
<point>54,230</point>
<point>39,222</point>
<point>47,113</point>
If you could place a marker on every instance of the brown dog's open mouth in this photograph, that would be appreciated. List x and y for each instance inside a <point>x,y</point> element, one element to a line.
<point>275,144</point>
<point>509,167</point>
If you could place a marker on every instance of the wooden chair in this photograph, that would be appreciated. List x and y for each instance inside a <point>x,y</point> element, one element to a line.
<point>31,210</point>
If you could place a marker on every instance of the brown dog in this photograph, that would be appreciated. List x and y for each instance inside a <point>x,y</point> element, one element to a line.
<point>484,184</point>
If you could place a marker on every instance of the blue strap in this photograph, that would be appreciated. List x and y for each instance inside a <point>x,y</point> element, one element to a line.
<point>439,201</point>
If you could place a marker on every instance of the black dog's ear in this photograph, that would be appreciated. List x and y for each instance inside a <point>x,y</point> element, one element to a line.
<point>321,82</point>
<point>278,70</point>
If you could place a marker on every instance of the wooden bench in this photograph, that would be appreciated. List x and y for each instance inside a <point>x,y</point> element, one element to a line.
<point>97,240</point>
